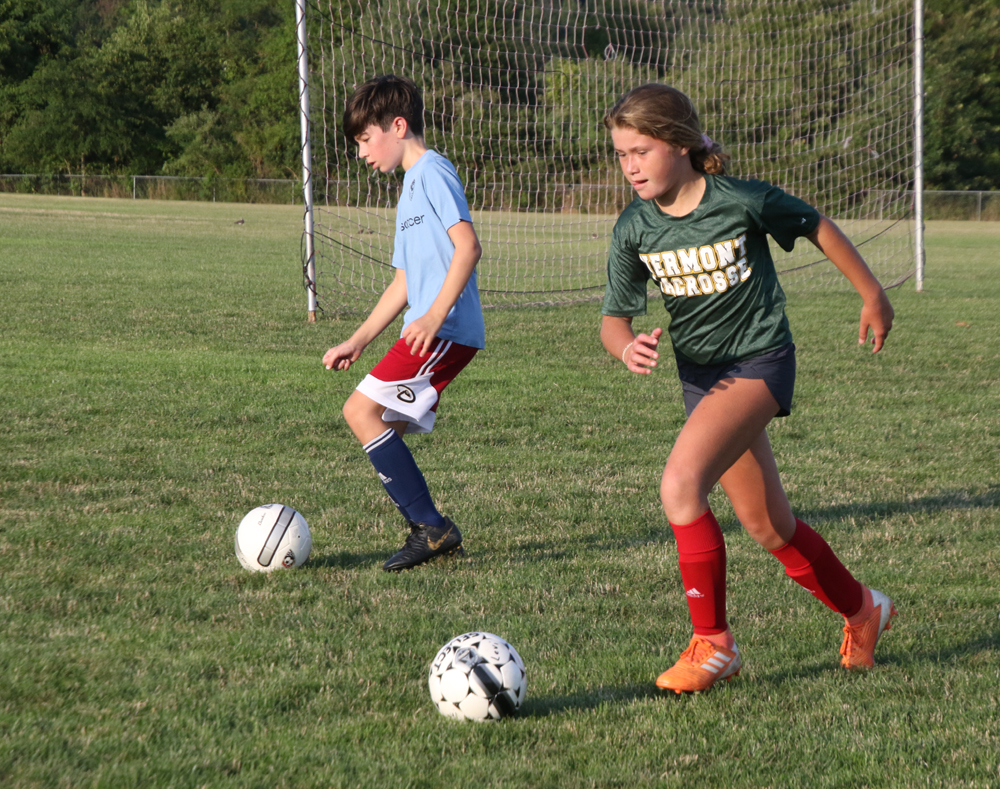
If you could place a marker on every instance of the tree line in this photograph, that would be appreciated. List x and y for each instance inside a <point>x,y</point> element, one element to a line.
<point>208,88</point>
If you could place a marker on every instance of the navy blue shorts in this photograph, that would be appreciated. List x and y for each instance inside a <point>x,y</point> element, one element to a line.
<point>776,369</point>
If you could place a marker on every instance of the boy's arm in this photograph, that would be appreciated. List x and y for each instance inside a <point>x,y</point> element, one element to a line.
<point>420,333</point>
<point>877,312</point>
<point>391,303</point>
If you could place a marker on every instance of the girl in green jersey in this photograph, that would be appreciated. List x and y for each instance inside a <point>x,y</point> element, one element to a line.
<point>702,237</point>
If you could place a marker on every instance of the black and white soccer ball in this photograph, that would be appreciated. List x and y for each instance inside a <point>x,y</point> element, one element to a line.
<point>272,537</point>
<point>477,677</point>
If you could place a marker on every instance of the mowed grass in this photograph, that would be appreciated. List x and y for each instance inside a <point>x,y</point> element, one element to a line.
<point>160,380</point>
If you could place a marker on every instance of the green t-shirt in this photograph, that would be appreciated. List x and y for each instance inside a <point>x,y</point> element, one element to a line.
<point>713,267</point>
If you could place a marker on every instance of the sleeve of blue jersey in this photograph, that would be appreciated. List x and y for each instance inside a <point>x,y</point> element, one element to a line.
<point>445,193</point>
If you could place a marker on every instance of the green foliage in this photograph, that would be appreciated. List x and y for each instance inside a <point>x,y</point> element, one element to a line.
<point>261,108</point>
<point>70,95</point>
<point>151,79</point>
<point>209,86</point>
<point>963,94</point>
<point>31,32</point>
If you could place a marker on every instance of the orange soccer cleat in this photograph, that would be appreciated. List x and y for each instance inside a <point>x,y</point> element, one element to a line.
<point>858,649</point>
<point>700,666</point>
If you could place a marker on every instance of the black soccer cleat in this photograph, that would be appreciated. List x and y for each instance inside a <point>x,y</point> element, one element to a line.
<point>424,543</point>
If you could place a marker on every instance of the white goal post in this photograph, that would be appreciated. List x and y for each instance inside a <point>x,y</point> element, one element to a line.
<point>816,96</point>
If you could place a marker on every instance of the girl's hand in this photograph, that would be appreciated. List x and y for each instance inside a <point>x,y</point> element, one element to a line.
<point>640,355</point>
<point>877,315</point>
<point>342,356</point>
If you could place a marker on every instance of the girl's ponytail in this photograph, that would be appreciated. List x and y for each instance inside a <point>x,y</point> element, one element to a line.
<point>709,158</point>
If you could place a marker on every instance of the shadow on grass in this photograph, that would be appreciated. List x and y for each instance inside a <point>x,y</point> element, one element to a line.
<point>560,549</point>
<point>981,642</point>
<point>350,560</point>
<point>948,500</point>
<point>886,656</point>
<point>346,560</point>
<point>593,698</point>
<point>942,502</point>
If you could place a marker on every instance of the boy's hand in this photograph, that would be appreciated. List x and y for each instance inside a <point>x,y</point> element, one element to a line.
<point>342,356</point>
<point>641,356</point>
<point>419,334</point>
<point>877,315</point>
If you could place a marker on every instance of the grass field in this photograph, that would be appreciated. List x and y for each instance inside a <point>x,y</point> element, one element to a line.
<point>160,380</point>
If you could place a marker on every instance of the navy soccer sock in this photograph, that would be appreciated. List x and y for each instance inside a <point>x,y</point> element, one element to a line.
<point>402,479</point>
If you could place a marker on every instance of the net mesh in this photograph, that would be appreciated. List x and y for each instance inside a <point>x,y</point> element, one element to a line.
<point>812,95</point>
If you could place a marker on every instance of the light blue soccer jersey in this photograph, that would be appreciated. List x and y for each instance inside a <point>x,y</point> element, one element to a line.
<point>432,201</point>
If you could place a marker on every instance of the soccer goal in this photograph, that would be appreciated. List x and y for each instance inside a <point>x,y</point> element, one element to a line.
<point>815,96</point>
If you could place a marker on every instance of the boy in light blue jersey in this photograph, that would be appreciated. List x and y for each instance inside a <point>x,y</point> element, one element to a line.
<point>435,255</point>
<point>431,203</point>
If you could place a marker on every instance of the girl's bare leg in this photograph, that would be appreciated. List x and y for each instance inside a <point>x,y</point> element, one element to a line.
<point>754,488</point>
<point>721,429</point>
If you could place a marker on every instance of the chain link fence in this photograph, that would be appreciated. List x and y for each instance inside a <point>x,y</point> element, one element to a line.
<point>975,206</point>
<point>158,187</point>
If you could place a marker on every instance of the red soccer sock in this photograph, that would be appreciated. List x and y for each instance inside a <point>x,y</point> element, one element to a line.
<point>811,563</point>
<point>702,555</point>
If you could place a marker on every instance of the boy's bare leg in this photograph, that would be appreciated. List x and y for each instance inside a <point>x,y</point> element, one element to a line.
<point>364,417</point>
<point>431,534</point>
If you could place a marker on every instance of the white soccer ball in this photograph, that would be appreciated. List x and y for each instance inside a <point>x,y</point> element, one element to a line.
<point>272,537</point>
<point>477,677</point>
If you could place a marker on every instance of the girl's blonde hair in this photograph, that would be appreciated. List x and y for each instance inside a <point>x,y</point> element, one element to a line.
<point>664,113</point>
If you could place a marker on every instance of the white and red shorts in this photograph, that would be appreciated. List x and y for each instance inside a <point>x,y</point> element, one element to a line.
<point>410,386</point>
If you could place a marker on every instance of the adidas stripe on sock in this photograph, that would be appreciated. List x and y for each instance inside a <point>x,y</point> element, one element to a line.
<point>402,479</point>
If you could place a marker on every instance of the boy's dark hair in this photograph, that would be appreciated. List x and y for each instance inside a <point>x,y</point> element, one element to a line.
<point>379,101</point>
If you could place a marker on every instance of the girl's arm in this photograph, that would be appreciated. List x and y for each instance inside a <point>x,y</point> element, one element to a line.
<point>877,312</point>
<point>420,333</point>
<point>392,302</point>
<point>638,352</point>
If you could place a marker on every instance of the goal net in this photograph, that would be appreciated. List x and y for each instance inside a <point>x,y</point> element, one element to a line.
<point>814,96</point>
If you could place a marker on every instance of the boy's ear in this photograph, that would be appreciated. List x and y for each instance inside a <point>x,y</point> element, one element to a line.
<point>400,126</point>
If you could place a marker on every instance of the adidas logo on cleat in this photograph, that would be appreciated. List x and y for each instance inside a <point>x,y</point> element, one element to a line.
<point>693,592</point>
<point>717,662</point>
<point>700,666</point>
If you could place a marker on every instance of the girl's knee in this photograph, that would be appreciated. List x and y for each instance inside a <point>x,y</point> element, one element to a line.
<point>683,494</point>
<point>768,532</point>
<point>761,530</point>
<point>680,481</point>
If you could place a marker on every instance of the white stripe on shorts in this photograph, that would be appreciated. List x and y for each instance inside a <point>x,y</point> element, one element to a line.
<point>436,354</point>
